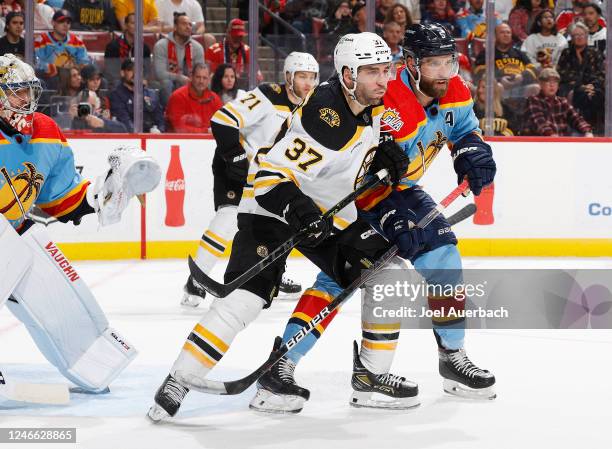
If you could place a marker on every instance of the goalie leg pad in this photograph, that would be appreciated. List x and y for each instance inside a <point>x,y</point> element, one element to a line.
<point>64,319</point>
<point>15,259</point>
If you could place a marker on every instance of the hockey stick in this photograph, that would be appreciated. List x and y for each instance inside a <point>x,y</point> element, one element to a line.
<point>222,290</point>
<point>240,385</point>
<point>35,393</point>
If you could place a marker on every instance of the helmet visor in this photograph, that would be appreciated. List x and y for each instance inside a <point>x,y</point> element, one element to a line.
<point>374,73</point>
<point>439,67</point>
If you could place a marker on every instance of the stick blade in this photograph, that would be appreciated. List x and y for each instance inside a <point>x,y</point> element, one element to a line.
<point>210,285</point>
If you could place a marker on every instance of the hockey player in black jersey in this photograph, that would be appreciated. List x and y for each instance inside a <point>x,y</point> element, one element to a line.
<point>241,128</point>
<point>324,155</point>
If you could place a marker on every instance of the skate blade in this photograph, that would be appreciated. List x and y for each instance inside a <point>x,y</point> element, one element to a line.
<point>157,414</point>
<point>463,391</point>
<point>361,399</point>
<point>268,402</point>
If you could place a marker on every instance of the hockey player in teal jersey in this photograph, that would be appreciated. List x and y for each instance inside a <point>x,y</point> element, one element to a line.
<point>427,107</point>
<point>37,282</point>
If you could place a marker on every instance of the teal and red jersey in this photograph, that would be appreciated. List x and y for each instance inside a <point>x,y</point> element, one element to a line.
<point>41,171</point>
<point>51,52</point>
<point>422,132</point>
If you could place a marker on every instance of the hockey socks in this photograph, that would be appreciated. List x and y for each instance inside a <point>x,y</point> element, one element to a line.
<point>217,238</point>
<point>310,303</point>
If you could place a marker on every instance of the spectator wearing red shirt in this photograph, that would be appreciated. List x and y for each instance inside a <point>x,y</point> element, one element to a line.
<point>551,115</point>
<point>191,106</point>
<point>232,50</point>
<point>570,16</point>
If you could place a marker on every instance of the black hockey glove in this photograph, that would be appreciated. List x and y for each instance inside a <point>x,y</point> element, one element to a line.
<point>473,158</point>
<point>236,163</point>
<point>398,224</point>
<point>302,213</point>
<point>392,157</point>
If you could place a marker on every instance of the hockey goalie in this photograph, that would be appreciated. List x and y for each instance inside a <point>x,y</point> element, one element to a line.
<point>37,282</point>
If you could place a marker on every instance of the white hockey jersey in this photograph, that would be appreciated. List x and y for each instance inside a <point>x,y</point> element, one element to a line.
<point>258,116</point>
<point>326,151</point>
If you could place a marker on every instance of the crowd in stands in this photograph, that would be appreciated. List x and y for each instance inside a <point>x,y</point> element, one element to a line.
<point>549,57</point>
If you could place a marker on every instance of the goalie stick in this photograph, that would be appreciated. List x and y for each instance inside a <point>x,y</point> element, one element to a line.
<point>222,290</point>
<point>238,386</point>
<point>56,394</point>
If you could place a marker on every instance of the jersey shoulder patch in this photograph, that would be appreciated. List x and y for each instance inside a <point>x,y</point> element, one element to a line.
<point>326,117</point>
<point>458,94</point>
<point>276,93</point>
<point>403,115</point>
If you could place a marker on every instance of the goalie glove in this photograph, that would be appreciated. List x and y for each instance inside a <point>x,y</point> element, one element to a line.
<point>131,173</point>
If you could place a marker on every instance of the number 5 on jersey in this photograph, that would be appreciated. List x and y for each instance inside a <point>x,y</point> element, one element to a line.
<point>311,156</point>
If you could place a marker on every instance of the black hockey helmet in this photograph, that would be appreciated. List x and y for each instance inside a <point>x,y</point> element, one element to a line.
<point>431,39</point>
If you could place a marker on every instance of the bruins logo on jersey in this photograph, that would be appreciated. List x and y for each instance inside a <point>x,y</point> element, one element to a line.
<point>276,88</point>
<point>392,119</point>
<point>365,166</point>
<point>330,117</point>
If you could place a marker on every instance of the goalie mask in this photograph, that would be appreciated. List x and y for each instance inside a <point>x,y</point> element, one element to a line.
<point>20,91</point>
<point>300,62</point>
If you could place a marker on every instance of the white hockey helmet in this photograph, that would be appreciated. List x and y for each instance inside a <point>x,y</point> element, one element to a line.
<point>14,76</point>
<point>356,50</point>
<point>300,62</point>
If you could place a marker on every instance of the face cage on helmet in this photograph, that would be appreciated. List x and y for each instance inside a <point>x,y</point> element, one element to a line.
<point>35,91</point>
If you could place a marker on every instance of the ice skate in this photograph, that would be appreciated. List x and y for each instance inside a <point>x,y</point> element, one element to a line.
<point>463,378</point>
<point>193,294</point>
<point>288,288</point>
<point>168,399</point>
<point>381,390</point>
<point>277,391</point>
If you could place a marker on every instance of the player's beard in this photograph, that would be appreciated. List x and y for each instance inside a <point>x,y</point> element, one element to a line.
<point>433,87</point>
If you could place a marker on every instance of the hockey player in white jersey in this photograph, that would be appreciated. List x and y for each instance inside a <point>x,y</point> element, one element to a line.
<point>326,152</point>
<point>37,282</point>
<point>241,128</point>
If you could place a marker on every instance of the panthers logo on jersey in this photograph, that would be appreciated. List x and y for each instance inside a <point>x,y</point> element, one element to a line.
<point>330,117</point>
<point>19,191</point>
<point>392,119</point>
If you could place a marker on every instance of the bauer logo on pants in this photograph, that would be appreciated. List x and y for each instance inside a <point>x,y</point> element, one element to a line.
<point>61,261</point>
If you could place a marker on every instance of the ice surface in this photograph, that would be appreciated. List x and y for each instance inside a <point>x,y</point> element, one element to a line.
<point>553,386</point>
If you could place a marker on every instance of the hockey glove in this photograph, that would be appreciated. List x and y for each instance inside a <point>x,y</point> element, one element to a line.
<point>132,173</point>
<point>473,158</point>
<point>236,163</point>
<point>302,213</point>
<point>391,157</point>
<point>398,225</point>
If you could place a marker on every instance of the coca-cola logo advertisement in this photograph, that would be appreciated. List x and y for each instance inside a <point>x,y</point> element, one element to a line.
<point>174,189</point>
